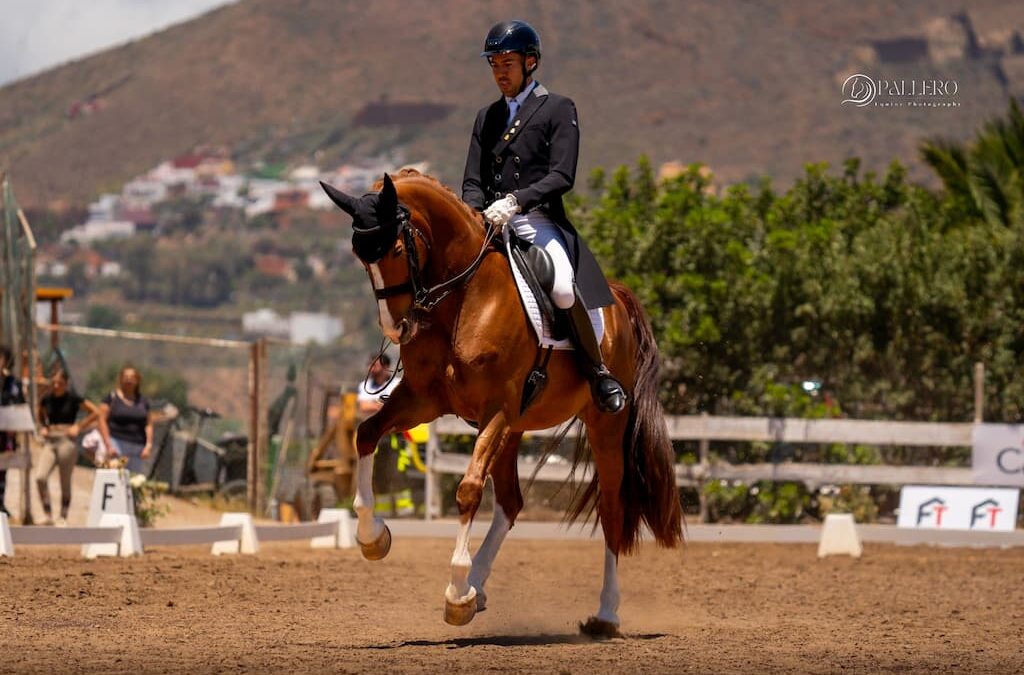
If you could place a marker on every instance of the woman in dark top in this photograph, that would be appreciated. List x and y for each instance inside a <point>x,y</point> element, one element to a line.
<point>58,415</point>
<point>11,392</point>
<point>126,424</point>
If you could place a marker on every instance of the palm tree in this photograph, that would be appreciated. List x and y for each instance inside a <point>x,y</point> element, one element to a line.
<point>986,176</point>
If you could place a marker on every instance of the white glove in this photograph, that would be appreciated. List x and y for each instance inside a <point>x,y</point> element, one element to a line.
<point>501,211</point>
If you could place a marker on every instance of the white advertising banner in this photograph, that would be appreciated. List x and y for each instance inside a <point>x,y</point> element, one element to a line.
<point>997,454</point>
<point>958,508</point>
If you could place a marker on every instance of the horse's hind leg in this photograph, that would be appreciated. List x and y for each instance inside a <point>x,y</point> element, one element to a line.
<point>508,502</point>
<point>460,596</point>
<point>605,434</point>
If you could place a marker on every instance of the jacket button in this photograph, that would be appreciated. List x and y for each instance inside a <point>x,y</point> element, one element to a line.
<point>516,174</point>
<point>498,160</point>
<point>516,159</point>
<point>497,177</point>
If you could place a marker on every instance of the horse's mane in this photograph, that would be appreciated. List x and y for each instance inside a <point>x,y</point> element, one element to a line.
<point>409,173</point>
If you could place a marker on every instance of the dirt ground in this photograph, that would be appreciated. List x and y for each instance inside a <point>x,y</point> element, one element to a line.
<point>712,608</point>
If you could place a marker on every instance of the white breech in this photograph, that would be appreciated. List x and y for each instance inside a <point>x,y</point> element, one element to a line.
<point>537,228</point>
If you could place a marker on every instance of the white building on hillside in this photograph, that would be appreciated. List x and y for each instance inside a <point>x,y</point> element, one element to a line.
<point>300,328</point>
<point>143,192</point>
<point>104,208</point>
<point>265,322</point>
<point>318,327</point>
<point>98,230</point>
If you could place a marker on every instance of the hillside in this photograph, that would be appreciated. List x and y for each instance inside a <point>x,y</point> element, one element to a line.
<point>748,88</point>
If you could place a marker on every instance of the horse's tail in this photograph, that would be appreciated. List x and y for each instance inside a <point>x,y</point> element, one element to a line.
<point>649,492</point>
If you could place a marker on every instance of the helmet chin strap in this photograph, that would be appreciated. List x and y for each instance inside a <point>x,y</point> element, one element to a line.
<point>526,76</point>
<point>526,81</point>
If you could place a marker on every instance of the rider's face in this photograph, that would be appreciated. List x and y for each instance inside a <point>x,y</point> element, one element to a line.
<point>377,369</point>
<point>507,70</point>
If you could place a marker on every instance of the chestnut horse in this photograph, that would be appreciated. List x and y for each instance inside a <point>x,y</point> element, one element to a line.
<point>450,301</point>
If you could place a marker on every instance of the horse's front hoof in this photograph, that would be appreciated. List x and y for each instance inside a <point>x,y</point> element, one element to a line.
<point>600,629</point>
<point>462,610</point>
<point>459,615</point>
<point>377,550</point>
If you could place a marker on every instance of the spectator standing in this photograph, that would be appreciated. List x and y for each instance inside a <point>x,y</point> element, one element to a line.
<point>59,428</point>
<point>126,423</point>
<point>11,393</point>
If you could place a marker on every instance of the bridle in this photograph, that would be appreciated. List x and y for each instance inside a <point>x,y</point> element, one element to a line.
<point>425,298</point>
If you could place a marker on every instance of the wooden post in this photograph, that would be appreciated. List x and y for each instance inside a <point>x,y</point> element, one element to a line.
<point>263,438</point>
<point>290,415</point>
<point>54,320</point>
<point>307,400</point>
<point>29,334</point>
<point>252,465</point>
<point>25,499</point>
<point>979,392</point>
<point>705,463</point>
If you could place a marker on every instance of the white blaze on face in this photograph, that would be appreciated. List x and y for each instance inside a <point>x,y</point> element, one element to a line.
<point>387,324</point>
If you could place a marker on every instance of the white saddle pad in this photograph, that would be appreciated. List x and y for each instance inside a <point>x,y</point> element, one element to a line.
<point>539,322</point>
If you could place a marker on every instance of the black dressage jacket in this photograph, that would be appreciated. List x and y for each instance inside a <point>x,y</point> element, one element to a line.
<point>534,158</point>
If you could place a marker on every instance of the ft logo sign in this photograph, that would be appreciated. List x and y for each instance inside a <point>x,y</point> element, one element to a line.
<point>986,511</point>
<point>983,514</point>
<point>958,508</point>
<point>933,508</point>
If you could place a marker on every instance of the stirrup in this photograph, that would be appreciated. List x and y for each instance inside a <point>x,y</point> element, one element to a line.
<point>607,392</point>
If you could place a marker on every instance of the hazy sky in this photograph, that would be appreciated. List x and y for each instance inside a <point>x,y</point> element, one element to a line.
<point>38,34</point>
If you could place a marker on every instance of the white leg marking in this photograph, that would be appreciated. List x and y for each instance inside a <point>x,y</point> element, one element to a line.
<point>387,324</point>
<point>610,589</point>
<point>459,591</point>
<point>369,528</point>
<point>487,552</point>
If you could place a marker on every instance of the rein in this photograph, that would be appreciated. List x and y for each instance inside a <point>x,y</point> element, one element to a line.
<point>426,298</point>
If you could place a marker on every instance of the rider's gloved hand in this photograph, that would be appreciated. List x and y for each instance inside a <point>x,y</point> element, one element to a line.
<point>501,211</point>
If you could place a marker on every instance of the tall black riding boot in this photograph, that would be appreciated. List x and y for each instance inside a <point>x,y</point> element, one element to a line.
<point>609,396</point>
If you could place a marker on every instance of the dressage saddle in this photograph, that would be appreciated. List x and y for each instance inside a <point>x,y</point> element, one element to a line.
<point>538,270</point>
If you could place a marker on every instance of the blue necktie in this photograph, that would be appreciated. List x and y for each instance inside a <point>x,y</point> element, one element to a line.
<point>513,108</point>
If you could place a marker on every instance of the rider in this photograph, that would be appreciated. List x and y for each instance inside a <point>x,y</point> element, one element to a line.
<point>522,159</point>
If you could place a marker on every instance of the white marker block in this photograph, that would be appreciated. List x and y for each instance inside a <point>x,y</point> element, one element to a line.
<point>839,536</point>
<point>111,493</point>
<point>342,538</point>
<point>246,544</point>
<point>6,545</point>
<point>131,541</point>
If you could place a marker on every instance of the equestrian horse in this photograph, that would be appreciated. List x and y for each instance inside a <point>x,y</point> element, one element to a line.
<point>448,298</point>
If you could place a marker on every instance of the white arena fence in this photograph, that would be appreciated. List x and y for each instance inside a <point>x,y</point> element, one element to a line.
<point>237,533</point>
<point>707,428</point>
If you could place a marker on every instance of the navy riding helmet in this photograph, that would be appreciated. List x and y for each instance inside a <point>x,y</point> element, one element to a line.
<point>512,36</point>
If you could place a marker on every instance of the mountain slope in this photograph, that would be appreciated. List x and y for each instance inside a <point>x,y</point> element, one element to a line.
<point>748,88</point>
